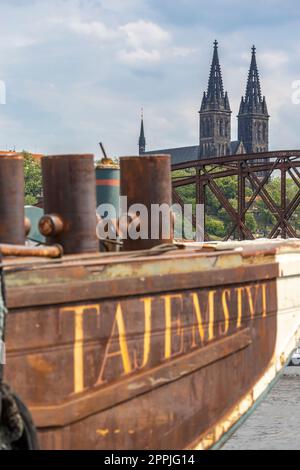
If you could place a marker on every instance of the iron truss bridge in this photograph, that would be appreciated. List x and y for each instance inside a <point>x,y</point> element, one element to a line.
<point>266,186</point>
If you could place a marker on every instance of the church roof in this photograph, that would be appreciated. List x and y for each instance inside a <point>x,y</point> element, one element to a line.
<point>235,146</point>
<point>186,154</point>
<point>179,154</point>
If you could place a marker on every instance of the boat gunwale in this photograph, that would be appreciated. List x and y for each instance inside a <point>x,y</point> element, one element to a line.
<point>244,249</point>
<point>97,290</point>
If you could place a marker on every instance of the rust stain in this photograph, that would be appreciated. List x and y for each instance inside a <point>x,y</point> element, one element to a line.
<point>40,364</point>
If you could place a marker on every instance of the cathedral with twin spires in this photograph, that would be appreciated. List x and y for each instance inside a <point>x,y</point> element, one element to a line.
<point>215,120</point>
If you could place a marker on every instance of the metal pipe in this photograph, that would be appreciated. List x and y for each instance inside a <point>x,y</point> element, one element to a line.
<point>12,229</point>
<point>69,187</point>
<point>103,151</point>
<point>147,180</point>
<point>54,251</point>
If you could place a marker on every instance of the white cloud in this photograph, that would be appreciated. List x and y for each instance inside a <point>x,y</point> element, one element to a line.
<point>103,60</point>
<point>145,34</point>
<point>139,55</point>
<point>139,35</point>
<point>135,42</point>
<point>182,51</point>
<point>94,29</point>
<point>146,41</point>
<point>274,59</point>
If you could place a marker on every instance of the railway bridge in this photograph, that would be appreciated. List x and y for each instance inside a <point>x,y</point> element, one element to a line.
<point>266,182</point>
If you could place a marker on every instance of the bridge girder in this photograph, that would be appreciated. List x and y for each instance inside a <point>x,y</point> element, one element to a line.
<point>251,170</point>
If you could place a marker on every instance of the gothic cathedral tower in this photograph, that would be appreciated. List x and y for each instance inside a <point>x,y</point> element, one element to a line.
<point>253,117</point>
<point>215,114</point>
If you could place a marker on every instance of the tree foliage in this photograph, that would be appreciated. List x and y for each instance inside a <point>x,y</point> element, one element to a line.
<point>259,218</point>
<point>33,179</point>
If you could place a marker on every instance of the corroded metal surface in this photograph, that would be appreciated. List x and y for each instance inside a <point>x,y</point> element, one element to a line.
<point>12,229</point>
<point>205,173</point>
<point>161,348</point>
<point>54,251</point>
<point>69,193</point>
<point>143,347</point>
<point>147,181</point>
<point>17,431</point>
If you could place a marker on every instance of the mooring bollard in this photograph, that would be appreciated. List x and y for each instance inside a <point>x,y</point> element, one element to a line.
<point>12,226</point>
<point>146,180</point>
<point>69,187</point>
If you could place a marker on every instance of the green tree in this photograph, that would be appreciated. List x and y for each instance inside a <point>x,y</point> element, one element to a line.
<point>214,227</point>
<point>33,179</point>
<point>259,218</point>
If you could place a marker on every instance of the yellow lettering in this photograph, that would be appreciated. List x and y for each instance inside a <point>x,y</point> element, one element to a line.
<point>211,311</point>
<point>197,311</point>
<point>211,317</point>
<point>123,351</point>
<point>252,304</point>
<point>239,291</point>
<point>78,351</point>
<point>169,324</point>
<point>264,299</point>
<point>226,294</point>
<point>147,333</point>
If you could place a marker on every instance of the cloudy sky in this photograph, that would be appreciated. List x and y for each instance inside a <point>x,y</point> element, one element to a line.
<point>77,72</point>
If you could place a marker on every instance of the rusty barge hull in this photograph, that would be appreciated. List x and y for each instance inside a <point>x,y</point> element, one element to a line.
<point>149,350</point>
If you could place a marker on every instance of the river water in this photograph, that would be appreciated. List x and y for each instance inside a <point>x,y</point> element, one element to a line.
<point>275,424</point>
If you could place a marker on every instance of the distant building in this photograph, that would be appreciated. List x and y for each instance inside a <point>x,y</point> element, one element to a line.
<point>253,117</point>
<point>215,120</point>
<point>215,115</point>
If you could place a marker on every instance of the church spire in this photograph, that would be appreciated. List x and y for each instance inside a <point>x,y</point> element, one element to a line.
<point>215,98</point>
<point>253,102</point>
<point>142,140</point>
<point>215,114</point>
<point>253,117</point>
<point>215,90</point>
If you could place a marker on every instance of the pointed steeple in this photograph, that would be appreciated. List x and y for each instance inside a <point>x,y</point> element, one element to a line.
<point>253,102</point>
<point>142,140</point>
<point>215,90</point>
<point>215,114</point>
<point>253,117</point>
<point>215,98</point>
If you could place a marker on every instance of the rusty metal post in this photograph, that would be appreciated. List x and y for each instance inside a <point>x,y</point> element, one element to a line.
<point>283,199</point>
<point>12,228</point>
<point>147,180</point>
<point>200,197</point>
<point>241,200</point>
<point>69,187</point>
